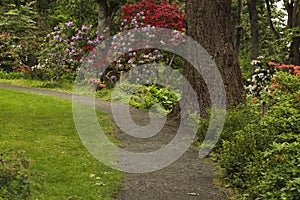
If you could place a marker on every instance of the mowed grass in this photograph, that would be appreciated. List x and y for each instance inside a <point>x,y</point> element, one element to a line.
<point>50,85</point>
<point>43,127</point>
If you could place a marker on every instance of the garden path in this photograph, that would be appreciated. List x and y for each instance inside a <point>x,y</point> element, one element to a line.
<point>187,178</point>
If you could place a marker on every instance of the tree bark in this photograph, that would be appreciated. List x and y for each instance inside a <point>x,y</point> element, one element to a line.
<point>103,18</point>
<point>209,23</point>
<point>238,26</point>
<point>253,14</point>
<point>106,13</point>
<point>289,6</point>
<point>295,45</point>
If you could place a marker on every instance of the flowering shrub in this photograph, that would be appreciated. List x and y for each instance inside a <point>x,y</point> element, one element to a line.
<point>149,12</point>
<point>145,15</point>
<point>66,48</point>
<point>292,69</point>
<point>260,78</point>
<point>264,74</point>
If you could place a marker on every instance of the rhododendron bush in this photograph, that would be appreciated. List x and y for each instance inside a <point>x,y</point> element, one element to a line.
<point>294,70</point>
<point>147,15</point>
<point>66,49</point>
<point>149,12</point>
<point>263,77</point>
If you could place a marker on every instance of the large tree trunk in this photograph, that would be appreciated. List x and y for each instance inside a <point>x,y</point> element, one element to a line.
<point>209,23</point>
<point>253,14</point>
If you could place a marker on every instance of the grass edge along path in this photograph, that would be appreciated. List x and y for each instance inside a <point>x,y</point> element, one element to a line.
<point>43,127</point>
<point>48,85</point>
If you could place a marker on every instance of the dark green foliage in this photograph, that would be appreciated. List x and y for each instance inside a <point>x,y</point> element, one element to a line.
<point>20,21</point>
<point>260,155</point>
<point>236,119</point>
<point>79,11</point>
<point>14,176</point>
<point>9,55</point>
<point>20,41</point>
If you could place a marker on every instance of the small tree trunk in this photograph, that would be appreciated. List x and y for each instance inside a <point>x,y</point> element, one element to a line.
<point>253,14</point>
<point>289,6</point>
<point>103,18</point>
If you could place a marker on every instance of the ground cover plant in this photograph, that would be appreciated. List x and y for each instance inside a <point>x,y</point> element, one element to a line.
<point>59,166</point>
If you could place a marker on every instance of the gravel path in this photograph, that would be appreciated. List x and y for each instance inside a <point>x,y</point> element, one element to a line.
<point>187,178</point>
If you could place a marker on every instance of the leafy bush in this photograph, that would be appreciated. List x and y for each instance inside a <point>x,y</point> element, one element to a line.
<point>10,75</point>
<point>281,180</point>
<point>261,158</point>
<point>14,176</point>
<point>9,52</point>
<point>141,96</point>
<point>236,119</point>
<point>146,97</point>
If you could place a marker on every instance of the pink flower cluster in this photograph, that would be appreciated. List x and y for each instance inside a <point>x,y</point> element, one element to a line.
<point>295,70</point>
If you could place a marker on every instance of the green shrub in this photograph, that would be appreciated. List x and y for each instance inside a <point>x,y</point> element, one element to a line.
<point>236,119</point>
<point>14,176</point>
<point>9,55</point>
<point>146,97</point>
<point>281,180</point>
<point>141,96</point>
<point>10,75</point>
<point>261,157</point>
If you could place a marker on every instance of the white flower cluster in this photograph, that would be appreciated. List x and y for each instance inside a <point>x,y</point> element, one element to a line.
<point>39,66</point>
<point>259,80</point>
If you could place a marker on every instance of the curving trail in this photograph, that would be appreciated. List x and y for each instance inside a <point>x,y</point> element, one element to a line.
<point>187,178</point>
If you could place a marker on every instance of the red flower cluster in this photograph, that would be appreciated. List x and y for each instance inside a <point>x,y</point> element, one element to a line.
<point>295,70</point>
<point>160,14</point>
<point>88,47</point>
<point>19,69</point>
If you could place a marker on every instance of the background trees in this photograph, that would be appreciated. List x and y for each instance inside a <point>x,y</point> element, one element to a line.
<point>261,29</point>
<point>267,28</point>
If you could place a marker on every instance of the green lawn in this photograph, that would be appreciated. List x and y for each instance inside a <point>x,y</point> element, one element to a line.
<point>43,127</point>
<point>50,85</point>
